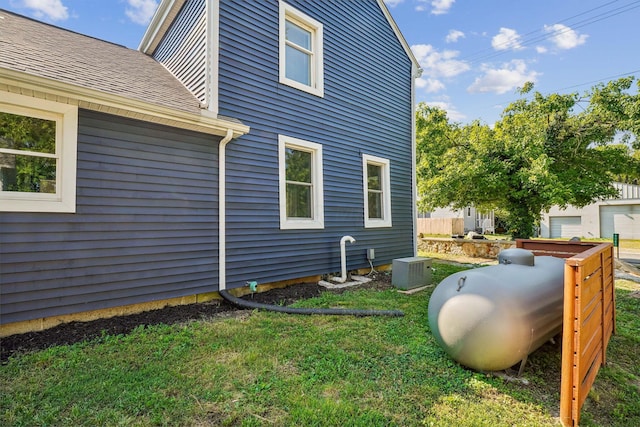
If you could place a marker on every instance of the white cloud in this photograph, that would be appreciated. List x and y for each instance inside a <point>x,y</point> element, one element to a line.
<point>422,5</point>
<point>438,64</point>
<point>429,85</point>
<point>438,7</point>
<point>451,110</point>
<point>502,80</point>
<point>141,11</point>
<point>564,37</point>
<point>392,3</point>
<point>51,9</point>
<point>441,7</point>
<point>541,49</point>
<point>453,36</point>
<point>507,38</point>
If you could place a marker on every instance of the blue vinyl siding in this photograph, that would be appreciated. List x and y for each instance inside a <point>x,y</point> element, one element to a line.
<point>146,224</point>
<point>366,109</point>
<point>145,227</point>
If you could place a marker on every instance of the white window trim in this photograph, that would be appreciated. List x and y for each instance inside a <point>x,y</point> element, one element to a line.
<point>385,221</point>
<point>287,12</point>
<point>66,117</point>
<point>317,221</point>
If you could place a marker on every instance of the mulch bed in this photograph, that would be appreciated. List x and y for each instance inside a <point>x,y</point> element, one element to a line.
<point>74,332</point>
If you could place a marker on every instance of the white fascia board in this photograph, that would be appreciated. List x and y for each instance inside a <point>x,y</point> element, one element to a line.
<point>166,11</point>
<point>90,99</point>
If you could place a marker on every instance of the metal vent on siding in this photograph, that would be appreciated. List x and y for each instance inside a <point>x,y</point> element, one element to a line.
<point>411,272</point>
<point>183,49</point>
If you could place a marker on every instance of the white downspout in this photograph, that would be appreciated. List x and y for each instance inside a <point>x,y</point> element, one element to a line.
<point>416,72</point>
<point>222,211</point>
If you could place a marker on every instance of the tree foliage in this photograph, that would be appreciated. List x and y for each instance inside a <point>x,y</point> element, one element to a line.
<point>26,172</point>
<point>545,150</point>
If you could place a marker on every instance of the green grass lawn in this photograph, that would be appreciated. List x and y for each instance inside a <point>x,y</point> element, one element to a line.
<point>271,369</point>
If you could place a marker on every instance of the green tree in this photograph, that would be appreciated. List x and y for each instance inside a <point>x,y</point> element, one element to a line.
<point>545,150</point>
<point>26,172</point>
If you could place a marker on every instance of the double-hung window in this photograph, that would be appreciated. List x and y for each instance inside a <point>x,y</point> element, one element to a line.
<point>301,187</point>
<point>301,58</point>
<point>377,191</point>
<point>38,140</point>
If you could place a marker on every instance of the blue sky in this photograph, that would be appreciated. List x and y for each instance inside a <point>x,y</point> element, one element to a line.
<point>475,54</point>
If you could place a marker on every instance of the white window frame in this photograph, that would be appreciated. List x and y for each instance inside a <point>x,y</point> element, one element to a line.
<point>385,221</point>
<point>66,118</point>
<point>317,192</point>
<point>288,13</point>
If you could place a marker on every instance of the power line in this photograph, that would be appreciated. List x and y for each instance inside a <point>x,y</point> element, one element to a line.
<point>630,73</point>
<point>609,78</point>
<point>559,22</point>
<point>605,11</point>
<point>480,56</point>
<point>538,35</point>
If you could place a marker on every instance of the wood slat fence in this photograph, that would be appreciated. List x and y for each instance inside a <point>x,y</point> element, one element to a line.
<point>446,226</point>
<point>588,318</point>
<point>589,322</point>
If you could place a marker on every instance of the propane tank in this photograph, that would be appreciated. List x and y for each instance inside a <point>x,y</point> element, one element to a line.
<point>493,317</point>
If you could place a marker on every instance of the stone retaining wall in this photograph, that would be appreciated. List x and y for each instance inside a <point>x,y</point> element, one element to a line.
<point>475,248</point>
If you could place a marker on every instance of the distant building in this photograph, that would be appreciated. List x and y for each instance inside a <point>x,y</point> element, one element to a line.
<point>474,220</point>
<point>598,220</point>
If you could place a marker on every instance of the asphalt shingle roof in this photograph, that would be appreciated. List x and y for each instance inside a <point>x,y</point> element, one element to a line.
<point>48,51</point>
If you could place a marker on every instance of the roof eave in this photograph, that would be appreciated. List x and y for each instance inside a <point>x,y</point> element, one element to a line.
<point>91,99</point>
<point>160,22</point>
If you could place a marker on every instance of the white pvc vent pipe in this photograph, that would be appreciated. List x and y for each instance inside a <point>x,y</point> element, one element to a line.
<point>343,258</point>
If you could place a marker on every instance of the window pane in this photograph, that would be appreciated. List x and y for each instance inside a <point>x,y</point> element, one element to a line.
<point>298,66</point>
<point>298,35</point>
<point>298,201</point>
<point>27,133</point>
<point>298,165</point>
<point>27,174</point>
<point>375,205</point>
<point>374,177</point>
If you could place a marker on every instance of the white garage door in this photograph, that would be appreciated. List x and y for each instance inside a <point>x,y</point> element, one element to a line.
<point>621,219</point>
<point>565,226</point>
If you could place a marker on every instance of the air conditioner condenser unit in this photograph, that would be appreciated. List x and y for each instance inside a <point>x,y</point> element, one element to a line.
<point>412,272</point>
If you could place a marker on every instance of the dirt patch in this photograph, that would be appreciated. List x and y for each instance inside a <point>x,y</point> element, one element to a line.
<point>73,332</point>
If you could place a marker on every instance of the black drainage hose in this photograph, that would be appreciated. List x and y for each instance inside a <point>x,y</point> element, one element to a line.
<point>292,310</point>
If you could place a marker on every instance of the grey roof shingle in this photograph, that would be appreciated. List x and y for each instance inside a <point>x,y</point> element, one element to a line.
<point>48,51</point>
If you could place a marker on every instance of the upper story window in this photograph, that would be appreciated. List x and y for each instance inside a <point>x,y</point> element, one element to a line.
<point>377,191</point>
<point>301,60</point>
<point>301,185</point>
<point>38,141</point>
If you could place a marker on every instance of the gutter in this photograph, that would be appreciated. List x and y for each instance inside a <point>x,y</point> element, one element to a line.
<point>40,87</point>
